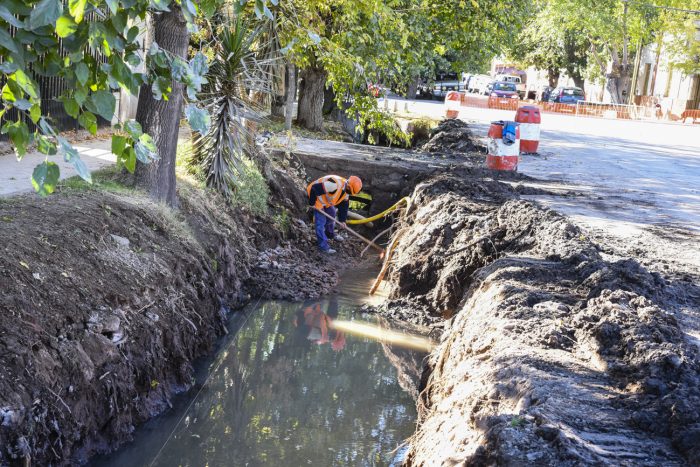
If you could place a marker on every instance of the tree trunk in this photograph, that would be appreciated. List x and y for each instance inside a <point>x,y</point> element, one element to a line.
<point>412,90</point>
<point>578,79</point>
<point>291,91</point>
<point>311,90</point>
<point>553,77</point>
<point>618,83</point>
<point>279,94</point>
<point>161,118</point>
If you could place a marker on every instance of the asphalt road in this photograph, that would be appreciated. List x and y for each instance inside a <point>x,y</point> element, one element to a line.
<point>635,171</point>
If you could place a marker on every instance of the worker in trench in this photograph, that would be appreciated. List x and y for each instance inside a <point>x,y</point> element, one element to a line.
<point>331,195</point>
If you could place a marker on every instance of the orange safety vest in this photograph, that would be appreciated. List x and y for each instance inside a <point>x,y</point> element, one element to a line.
<point>334,198</point>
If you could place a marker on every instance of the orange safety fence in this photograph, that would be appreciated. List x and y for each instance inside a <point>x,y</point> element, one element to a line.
<point>581,108</point>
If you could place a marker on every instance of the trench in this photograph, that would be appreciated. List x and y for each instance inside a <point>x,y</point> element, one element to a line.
<point>283,389</point>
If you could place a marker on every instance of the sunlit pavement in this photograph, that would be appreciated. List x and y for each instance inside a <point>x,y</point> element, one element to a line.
<point>16,176</point>
<point>633,171</point>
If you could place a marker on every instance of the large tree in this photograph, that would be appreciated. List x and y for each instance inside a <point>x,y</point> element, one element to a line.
<point>615,29</point>
<point>548,42</point>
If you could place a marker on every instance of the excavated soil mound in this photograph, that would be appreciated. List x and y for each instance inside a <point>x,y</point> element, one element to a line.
<point>451,136</point>
<point>553,356</point>
<point>106,301</point>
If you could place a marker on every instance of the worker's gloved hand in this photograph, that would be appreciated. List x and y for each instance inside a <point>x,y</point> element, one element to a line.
<point>342,223</point>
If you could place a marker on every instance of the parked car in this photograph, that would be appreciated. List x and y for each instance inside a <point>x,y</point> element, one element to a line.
<point>567,95</point>
<point>504,95</point>
<point>445,83</point>
<point>544,93</point>
<point>515,79</point>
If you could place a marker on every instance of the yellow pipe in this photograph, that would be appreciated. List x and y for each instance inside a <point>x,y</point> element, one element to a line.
<point>381,214</point>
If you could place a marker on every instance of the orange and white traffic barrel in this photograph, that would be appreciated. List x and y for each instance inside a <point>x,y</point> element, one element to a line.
<point>502,156</point>
<point>452,102</point>
<point>529,118</point>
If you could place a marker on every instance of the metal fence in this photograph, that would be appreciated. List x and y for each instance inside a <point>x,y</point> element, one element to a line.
<point>51,88</point>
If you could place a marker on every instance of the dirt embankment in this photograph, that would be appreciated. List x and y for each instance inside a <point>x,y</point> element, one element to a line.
<point>106,301</point>
<point>553,356</point>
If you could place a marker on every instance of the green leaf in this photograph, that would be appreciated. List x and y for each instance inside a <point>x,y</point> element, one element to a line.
<point>7,42</point>
<point>118,145</point>
<point>45,145</point>
<point>65,26</point>
<point>180,69</point>
<point>146,150</point>
<point>208,7</point>
<point>80,95</point>
<point>133,128</point>
<point>130,160</point>
<point>268,13</point>
<point>9,17</point>
<point>45,127</point>
<point>113,6</point>
<point>77,9</point>
<point>19,134</point>
<point>8,67</point>
<point>199,64</point>
<point>45,12</point>
<point>7,93</point>
<point>103,103</point>
<point>22,104</point>
<point>71,155</point>
<point>199,119</point>
<point>132,34</point>
<point>82,73</point>
<point>35,113</point>
<point>161,88</point>
<point>71,106</point>
<point>27,84</point>
<point>160,5</point>
<point>88,121</point>
<point>45,177</point>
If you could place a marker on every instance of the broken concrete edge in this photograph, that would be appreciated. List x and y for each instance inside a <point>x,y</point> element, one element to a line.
<point>552,355</point>
<point>107,301</point>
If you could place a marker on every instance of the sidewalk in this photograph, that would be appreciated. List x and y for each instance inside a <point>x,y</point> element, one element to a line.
<point>16,177</point>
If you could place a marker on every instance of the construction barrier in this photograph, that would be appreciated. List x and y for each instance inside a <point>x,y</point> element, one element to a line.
<point>502,156</point>
<point>452,104</point>
<point>529,119</point>
<point>581,108</point>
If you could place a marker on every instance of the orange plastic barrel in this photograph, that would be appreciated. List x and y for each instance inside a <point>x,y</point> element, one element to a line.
<point>529,119</point>
<point>453,100</point>
<point>501,156</point>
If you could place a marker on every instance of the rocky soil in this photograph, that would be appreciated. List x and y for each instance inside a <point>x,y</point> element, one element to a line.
<point>554,353</point>
<point>107,299</point>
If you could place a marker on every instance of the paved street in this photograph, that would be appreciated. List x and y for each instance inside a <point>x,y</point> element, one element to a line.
<point>15,177</point>
<point>645,172</point>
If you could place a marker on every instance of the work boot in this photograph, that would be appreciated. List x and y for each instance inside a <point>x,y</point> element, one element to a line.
<point>329,251</point>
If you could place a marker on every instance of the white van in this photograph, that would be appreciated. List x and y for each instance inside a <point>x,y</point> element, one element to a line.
<point>479,84</point>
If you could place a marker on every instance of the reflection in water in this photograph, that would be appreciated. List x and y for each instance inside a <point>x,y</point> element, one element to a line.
<point>291,388</point>
<point>384,334</point>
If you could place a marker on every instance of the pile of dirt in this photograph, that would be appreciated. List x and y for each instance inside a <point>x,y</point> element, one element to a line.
<point>106,301</point>
<point>451,136</point>
<point>553,356</point>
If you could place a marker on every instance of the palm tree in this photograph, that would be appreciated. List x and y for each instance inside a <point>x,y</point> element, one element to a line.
<point>236,79</point>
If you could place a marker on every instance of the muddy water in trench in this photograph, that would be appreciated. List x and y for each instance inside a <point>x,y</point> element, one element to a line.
<point>289,388</point>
